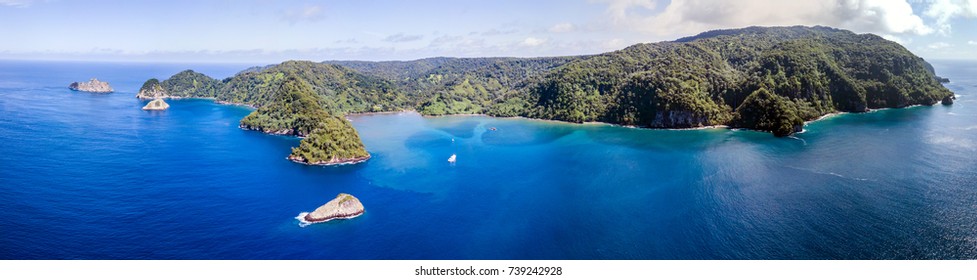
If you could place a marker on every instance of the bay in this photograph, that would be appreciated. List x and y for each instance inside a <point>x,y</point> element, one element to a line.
<point>92,176</point>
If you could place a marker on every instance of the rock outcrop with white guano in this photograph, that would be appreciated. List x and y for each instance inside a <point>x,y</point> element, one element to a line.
<point>156,105</point>
<point>344,206</point>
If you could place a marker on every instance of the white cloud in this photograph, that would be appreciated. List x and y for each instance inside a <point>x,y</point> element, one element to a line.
<point>681,17</point>
<point>401,38</point>
<point>16,3</point>
<point>445,40</point>
<point>939,45</point>
<point>533,42</point>
<point>945,10</point>
<point>494,32</point>
<point>307,13</point>
<point>562,27</point>
<point>972,43</point>
<point>622,10</point>
<point>883,16</point>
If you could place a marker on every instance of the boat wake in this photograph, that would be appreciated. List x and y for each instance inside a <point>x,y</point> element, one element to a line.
<point>832,174</point>
<point>301,219</point>
<point>798,138</point>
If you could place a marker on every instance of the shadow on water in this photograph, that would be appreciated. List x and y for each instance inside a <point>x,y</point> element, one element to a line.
<point>682,140</point>
<point>427,139</point>
<point>518,132</point>
<point>461,127</point>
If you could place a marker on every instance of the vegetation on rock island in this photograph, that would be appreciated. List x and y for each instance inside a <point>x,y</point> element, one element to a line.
<point>295,110</point>
<point>763,78</point>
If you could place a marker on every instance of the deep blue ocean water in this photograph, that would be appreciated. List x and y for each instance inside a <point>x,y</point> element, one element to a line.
<point>92,176</point>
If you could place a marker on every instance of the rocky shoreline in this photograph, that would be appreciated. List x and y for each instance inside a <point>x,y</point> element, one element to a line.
<point>93,85</point>
<point>229,103</point>
<point>283,132</point>
<point>949,99</point>
<point>331,162</point>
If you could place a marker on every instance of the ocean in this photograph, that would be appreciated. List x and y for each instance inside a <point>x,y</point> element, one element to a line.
<point>92,176</point>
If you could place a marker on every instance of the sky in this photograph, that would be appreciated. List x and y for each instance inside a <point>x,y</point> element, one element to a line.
<point>264,31</point>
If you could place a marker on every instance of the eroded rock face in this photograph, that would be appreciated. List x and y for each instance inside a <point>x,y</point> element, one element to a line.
<point>331,161</point>
<point>94,85</point>
<point>156,105</point>
<point>344,206</point>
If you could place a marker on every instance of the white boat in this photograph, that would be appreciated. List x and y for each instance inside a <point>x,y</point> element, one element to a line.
<point>452,158</point>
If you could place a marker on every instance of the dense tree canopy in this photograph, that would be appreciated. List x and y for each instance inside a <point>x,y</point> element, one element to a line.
<point>701,80</point>
<point>334,141</point>
<point>294,110</point>
<point>764,78</point>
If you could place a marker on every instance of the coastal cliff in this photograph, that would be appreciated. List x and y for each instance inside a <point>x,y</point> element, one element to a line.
<point>344,206</point>
<point>156,105</point>
<point>93,85</point>
<point>793,74</point>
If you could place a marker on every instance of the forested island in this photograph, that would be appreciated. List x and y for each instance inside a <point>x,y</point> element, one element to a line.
<point>763,78</point>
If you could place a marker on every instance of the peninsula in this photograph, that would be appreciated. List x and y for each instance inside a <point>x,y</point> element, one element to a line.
<point>93,85</point>
<point>763,78</point>
<point>344,206</point>
<point>294,110</point>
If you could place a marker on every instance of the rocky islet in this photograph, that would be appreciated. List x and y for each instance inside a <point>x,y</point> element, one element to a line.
<point>93,85</point>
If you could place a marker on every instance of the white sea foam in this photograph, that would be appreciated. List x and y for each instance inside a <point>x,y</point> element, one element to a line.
<point>831,174</point>
<point>826,116</point>
<point>798,138</point>
<point>301,219</point>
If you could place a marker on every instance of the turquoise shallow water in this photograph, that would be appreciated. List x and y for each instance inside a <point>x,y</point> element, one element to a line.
<point>91,176</point>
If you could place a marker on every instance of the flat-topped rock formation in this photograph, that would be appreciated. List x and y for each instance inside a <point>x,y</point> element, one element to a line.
<point>156,105</point>
<point>344,206</point>
<point>94,85</point>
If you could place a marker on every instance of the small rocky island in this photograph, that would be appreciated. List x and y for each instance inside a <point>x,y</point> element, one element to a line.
<point>156,105</point>
<point>948,100</point>
<point>151,89</point>
<point>94,85</point>
<point>344,206</point>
